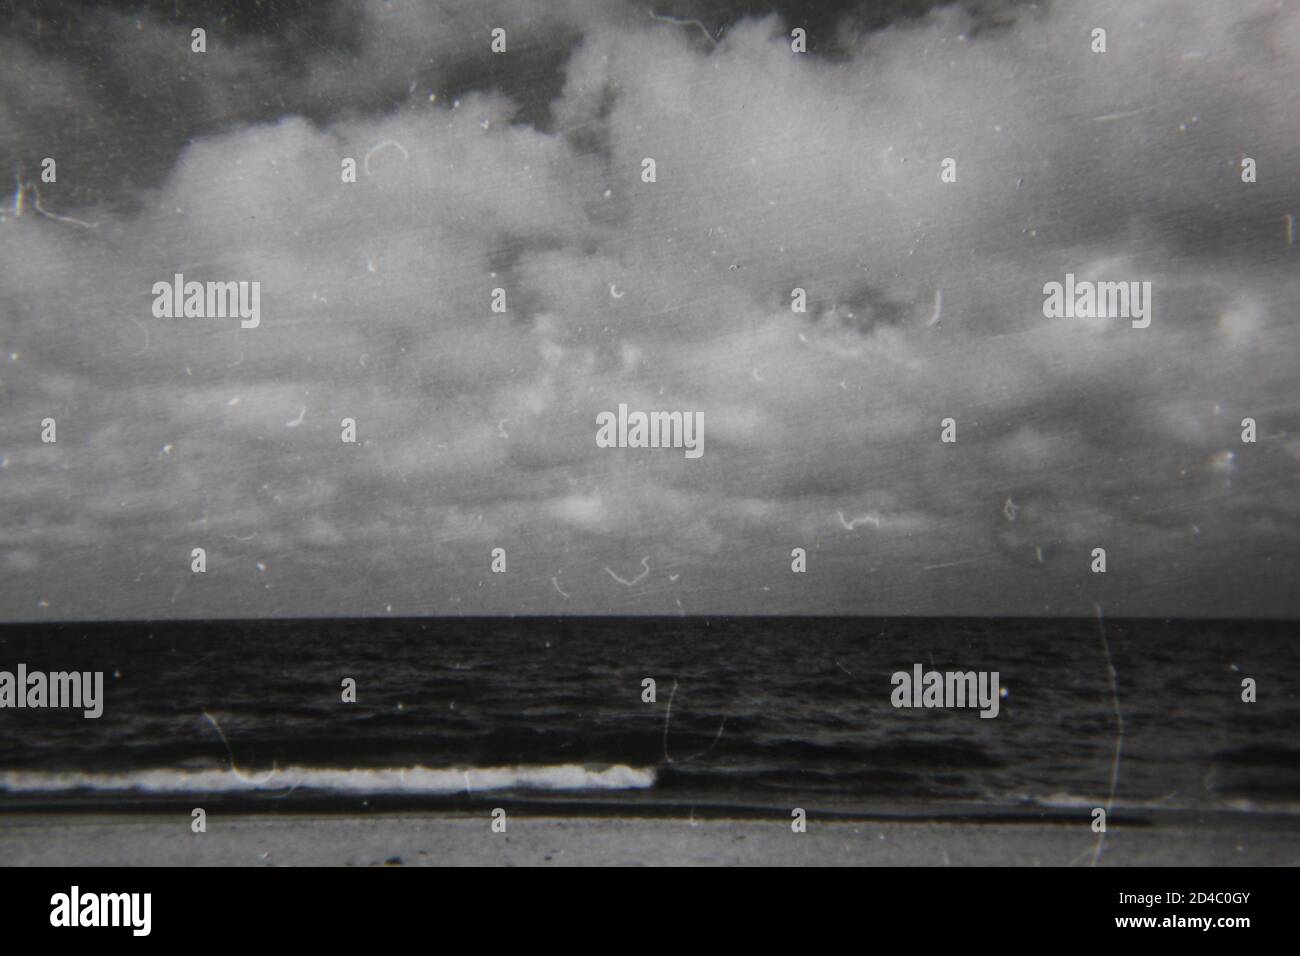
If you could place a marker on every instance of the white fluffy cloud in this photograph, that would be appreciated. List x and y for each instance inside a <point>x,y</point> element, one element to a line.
<point>821,430</point>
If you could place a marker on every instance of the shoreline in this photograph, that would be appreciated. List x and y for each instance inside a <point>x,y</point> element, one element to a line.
<point>464,838</point>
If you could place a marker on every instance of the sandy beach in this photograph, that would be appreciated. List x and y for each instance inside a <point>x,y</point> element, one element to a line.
<point>463,839</point>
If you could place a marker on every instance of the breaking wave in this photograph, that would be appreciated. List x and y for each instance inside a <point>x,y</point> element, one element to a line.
<point>375,780</point>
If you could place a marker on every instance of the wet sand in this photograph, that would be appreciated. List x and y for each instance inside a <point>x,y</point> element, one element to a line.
<point>467,839</point>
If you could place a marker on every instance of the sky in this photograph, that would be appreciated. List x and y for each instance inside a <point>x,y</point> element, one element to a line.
<point>523,171</point>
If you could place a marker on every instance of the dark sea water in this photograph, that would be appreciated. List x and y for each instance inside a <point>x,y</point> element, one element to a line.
<point>750,713</point>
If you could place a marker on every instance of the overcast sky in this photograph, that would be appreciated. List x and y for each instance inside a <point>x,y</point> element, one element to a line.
<point>774,170</point>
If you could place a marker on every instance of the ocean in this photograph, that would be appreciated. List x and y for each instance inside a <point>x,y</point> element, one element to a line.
<point>750,715</point>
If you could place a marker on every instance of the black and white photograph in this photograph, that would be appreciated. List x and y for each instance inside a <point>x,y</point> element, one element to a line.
<point>606,433</point>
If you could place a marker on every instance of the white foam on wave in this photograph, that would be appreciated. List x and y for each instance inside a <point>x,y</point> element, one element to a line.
<point>376,780</point>
<point>1071,801</point>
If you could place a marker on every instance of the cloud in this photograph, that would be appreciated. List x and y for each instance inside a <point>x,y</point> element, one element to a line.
<point>774,171</point>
